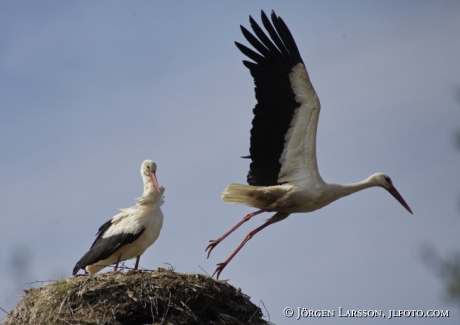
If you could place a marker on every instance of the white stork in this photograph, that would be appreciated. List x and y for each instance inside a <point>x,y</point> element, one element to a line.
<point>283,175</point>
<point>131,232</point>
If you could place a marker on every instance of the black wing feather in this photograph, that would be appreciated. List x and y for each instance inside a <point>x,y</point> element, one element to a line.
<point>273,34</point>
<point>276,103</point>
<point>103,248</point>
<point>287,38</point>
<point>102,230</point>
<point>249,53</point>
<point>262,37</point>
<point>256,43</point>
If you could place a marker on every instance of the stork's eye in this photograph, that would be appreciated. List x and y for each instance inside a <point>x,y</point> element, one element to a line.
<point>388,180</point>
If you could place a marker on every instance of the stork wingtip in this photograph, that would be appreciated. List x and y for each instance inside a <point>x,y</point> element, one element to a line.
<point>262,14</point>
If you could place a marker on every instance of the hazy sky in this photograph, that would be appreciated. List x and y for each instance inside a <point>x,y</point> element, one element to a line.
<point>89,89</point>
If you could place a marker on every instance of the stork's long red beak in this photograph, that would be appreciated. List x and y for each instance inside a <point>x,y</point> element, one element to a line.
<point>398,197</point>
<point>154,181</point>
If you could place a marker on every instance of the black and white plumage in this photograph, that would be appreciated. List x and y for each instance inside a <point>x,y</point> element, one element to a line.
<point>129,233</point>
<point>283,175</point>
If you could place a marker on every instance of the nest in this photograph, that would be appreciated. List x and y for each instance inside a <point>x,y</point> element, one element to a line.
<point>136,297</point>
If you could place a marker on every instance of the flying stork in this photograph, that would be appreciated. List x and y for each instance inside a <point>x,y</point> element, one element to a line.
<point>283,175</point>
<point>129,233</point>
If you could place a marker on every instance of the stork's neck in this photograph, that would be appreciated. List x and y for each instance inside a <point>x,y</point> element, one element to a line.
<point>338,191</point>
<point>149,189</point>
<point>151,199</point>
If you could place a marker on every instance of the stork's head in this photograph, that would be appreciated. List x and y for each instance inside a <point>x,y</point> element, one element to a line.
<point>383,180</point>
<point>148,170</point>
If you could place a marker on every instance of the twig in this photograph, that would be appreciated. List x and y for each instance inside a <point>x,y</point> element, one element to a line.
<point>5,311</point>
<point>9,314</point>
<point>167,309</point>
<point>263,304</point>
<point>62,303</point>
<point>38,281</point>
<point>170,267</point>
<point>203,270</point>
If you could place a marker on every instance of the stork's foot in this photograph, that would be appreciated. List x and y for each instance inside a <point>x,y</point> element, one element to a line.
<point>219,269</point>
<point>212,245</point>
<point>217,241</point>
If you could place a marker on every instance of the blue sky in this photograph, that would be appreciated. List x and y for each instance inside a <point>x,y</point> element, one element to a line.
<point>88,90</point>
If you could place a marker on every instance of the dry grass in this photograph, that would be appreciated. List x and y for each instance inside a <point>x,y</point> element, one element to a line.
<point>136,297</point>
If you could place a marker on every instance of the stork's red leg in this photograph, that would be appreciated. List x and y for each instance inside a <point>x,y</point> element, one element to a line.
<point>137,262</point>
<point>116,264</point>
<point>217,241</point>
<point>277,217</point>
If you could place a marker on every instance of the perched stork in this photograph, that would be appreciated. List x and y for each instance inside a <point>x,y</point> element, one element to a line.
<point>283,175</point>
<point>131,232</point>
